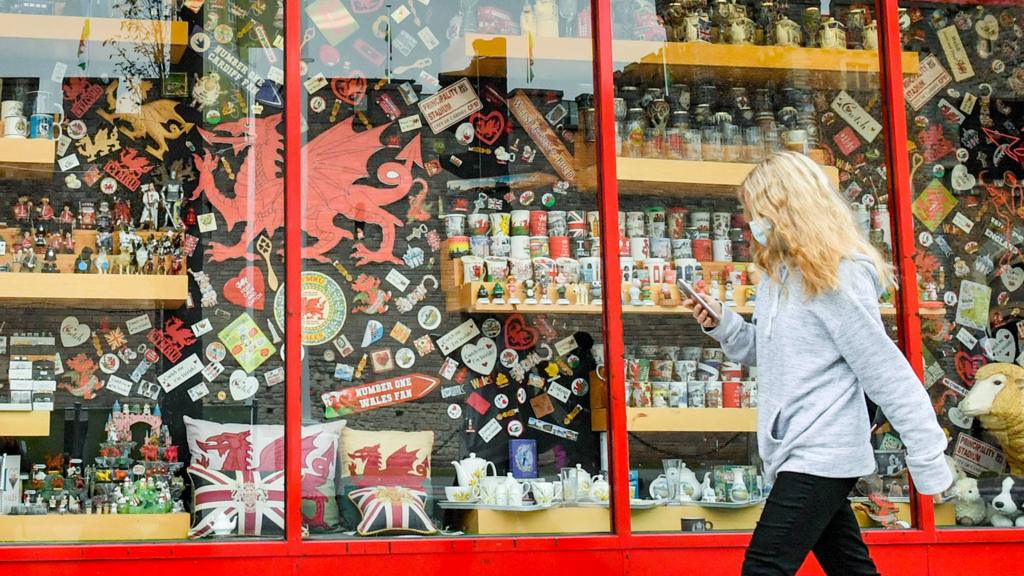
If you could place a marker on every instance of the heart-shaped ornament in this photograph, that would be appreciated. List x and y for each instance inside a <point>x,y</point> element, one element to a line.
<point>961,179</point>
<point>1012,278</point>
<point>967,365</point>
<point>242,386</point>
<point>519,336</point>
<point>1001,347</point>
<point>246,289</point>
<point>488,128</point>
<point>987,27</point>
<point>72,333</point>
<point>350,90</point>
<point>480,356</point>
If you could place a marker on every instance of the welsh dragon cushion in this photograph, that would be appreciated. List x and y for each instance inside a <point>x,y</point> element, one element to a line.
<point>391,510</point>
<point>253,500</point>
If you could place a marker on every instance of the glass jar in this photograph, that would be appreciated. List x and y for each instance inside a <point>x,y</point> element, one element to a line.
<point>753,144</point>
<point>679,97</point>
<point>711,144</point>
<point>707,95</point>
<point>692,149</point>
<point>732,142</point>
<point>631,95</point>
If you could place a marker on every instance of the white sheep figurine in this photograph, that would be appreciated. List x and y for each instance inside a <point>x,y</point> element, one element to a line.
<point>997,400</point>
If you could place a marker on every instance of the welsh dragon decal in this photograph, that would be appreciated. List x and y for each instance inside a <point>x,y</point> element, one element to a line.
<point>336,164</point>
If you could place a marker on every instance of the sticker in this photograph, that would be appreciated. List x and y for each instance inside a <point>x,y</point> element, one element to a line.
<point>408,92</point>
<point>457,337</point>
<point>967,104</point>
<point>242,386</point>
<point>481,356</point>
<point>119,385</point>
<point>950,113</point>
<point>566,345</point>
<point>343,346</point>
<point>373,333</point>
<point>409,123</point>
<point>138,324</point>
<point>559,392</point>
<point>405,358</point>
<point>553,429</point>
<point>202,327</point>
<point>274,377</point>
<point>931,79</point>
<point>405,43</point>
<point>344,372</point>
<point>450,105</point>
<point>235,70</point>
<point>397,279</point>
<point>198,392</point>
<point>324,308</point>
<point>212,370</point>
<point>933,205</point>
<point>207,222</point>
<point>452,391</point>
<point>489,430</point>
<point>966,338</point>
<point>424,345</point>
<point>400,332</point>
<point>429,317</point>
<point>315,83</point>
<point>963,222</point>
<point>382,361</point>
<point>448,368</point>
<point>508,357</point>
<point>491,327</point>
<point>976,457</point>
<point>317,104</point>
<point>215,352</point>
<point>68,162</point>
<point>465,133</point>
<point>956,56</point>
<point>246,342</point>
<point>180,372</point>
<point>78,130</point>
<point>454,411</point>
<point>972,309</point>
<point>859,119</point>
<point>147,390</point>
<point>501,401</point>
<point>542,405</point>
<point>1002,347</point>
<point>925,239</point>
<point>950,298</point>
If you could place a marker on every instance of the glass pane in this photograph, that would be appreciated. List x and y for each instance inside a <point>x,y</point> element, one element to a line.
<point>450,264</point>
<point>963,116</point>
<point>705,91</point>
<point>142,370</point>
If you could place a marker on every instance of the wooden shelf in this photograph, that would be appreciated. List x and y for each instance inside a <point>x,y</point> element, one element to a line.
<point>26,158</point>
<point>22,424</point>
<point>94,527</point>
<point>687,178</point>
<point>93,291</point>
<point>101,30</point>
<point>682,419</point>
<point>490,55</point>
<point>585,519</point>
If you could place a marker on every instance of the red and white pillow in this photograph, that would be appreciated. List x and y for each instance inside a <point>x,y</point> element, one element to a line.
<point>219,446</point>
<point>253,499</point>
<point>392,510</point>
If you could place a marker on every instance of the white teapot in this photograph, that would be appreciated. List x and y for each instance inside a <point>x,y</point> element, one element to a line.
<point>511,491</point>
<point>224,524</point>
<point>599,488</point>
<point>471,469</point>
<point>689,486</point>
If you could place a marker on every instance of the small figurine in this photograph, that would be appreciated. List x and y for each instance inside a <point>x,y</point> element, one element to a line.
<point>50,261</point>
<point>27,241</point>
<point>102,263</point>
<point>23,213</point>
<point>498,294</point>
<point>66,219</point>
<point>729,296</point>
<point>122,213</point>
<point>595,292</point>
<point>86,215</point>
<point>560,290</point>
<point>67,245</point>
<point>530,288</point>
<point>39,242</point>
<point>45,214</point>
<point>545,296</point>
<point>634,292</point>
<point>150,207</point>
<point>646,294</point>
<point>513,292</point>
<point>481,296</point>
<point>28,261</point>
<point>172,195</point>
<point>83,264</point>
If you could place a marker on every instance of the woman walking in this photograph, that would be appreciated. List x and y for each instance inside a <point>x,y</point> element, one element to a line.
<point>819,345</point>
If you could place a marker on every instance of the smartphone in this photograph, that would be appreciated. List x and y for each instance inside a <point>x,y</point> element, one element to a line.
<point>693,295</point>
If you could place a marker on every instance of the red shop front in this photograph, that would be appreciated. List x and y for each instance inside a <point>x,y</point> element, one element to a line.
<point>456,212</point>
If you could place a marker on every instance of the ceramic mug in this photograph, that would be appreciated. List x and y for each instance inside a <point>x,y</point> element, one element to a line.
<point>15,127</point>
<point>11,108</point>
<point>480,246</point>
<point>519,247</point>
<point>520,222</point>
<point>696,525</point>
<point>43,126</point>
<point>479,223</point>
<point>455,225</point>
<point>500,223</point>
<point>472,269</point>
<point>501,246</point>
<point>497,268</point>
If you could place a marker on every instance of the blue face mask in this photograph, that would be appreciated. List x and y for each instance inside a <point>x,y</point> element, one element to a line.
<point>759,230</point>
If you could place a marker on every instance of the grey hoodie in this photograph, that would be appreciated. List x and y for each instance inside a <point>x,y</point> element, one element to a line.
<point>815,360</point>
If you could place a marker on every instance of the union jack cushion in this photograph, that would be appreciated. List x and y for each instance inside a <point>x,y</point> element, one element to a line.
<point>391,510</point>
<point>253,499</point>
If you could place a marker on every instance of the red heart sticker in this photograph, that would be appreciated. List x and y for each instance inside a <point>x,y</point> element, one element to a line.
<point>350,90</point>
<point>967,365</point>
<point>247,289</point>
<point>488,128</point>
<point>519,336</point>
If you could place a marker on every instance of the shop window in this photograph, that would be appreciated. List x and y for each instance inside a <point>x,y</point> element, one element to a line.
<point>451,263</point>
<point>963,123</point>
<point>705,91</point>
<point>141,386</point>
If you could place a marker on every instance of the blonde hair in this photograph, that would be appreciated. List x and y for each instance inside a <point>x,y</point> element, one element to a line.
<point>812,226</point>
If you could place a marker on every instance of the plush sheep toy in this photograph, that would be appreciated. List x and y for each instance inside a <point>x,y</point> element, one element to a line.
<point>1004,496</point>
<point>970,507</point>
<point>997,400</point>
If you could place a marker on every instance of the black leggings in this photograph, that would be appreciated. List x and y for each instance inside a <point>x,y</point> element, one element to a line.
<point>805,513</point>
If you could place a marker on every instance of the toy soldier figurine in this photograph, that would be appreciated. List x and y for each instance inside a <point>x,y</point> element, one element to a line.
<point>104,225</point>
<point>150,207</point>
<point>23,213</point>
<point>50,261</point>
<point>172,195</point>
<point>66,219</point>
<point>44,214</point>
<point>87,215</point>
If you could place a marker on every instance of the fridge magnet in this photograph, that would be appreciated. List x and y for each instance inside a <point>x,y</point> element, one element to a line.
<point>73,333</point>
<point>490,430</point>
<point>429,317</point>
<point>374,332</point>
<point>242,386</point>
<point>216,352</point>
<point>481,356</point>
<point>448,368</point>
<point>382,361</point>
<point>80,379</point>
<point>477,402</point>
<point>450,105</point>
<point>518,335</point>
<point>343,346</point>
<point>369,298</point>
<point>198,392</point>
<point>458,336</point>
<point>180,373</point>
<point>542,405</point>
<point>246,342</point>
<point>246,289</point>
<point>400,332</point>
<point>405,358</point>
<point>522,457</point>
<point>378,394</point>
<point>973,307</point>
<point>324,308</point>
<point>173,339</point>
<point>424,345</point>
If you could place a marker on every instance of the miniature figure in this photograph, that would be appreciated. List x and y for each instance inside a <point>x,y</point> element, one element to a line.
<point>529,288</point>
<point>150,207</point>
<point>481,296</point>
<point>50,261</point>
<point>45,215</point>
<point>122,213</point>
<point>172,196</point>
<point>595,292</point>
<point>28,260</point>
<point>102,263</point>
<point>513,292</point>
<point>40,239</point>
<point>498,294</point>
<point>67,245</point>
<point>86,215</point>
<point>23,213</point>
<point>66,219</point>
<point>560,290</point>
<point>83,265</point>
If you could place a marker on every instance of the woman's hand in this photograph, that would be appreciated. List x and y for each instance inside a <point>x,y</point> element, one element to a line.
<point>701,315</point>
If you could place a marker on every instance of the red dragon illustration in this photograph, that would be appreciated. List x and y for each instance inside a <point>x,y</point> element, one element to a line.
<point>314,474</point>
<point>400,469</point>
<point>176,331</point>
<point>235,447</point>
<point>83,382</point>
<point>336,161</point>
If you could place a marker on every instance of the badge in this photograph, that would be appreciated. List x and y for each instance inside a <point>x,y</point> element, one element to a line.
<point>405,358</point>
<point>328,355</point>
<point>199,41</point>
<point>580,386</point>
<point>521,395</point>
<point>925,239</point>
<point>317,104</point>
<point>77,129</point>
<point>223,34</point>
<point>109,363</point>
<point>429,317</point>
<point>454,411</point>
<point>465,133</point>
<point>108,185</point>
<point>490,327</point>
<point>515,428</point>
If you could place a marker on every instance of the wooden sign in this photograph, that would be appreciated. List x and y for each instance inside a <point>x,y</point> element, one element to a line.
<point>378,394</point>
<point>543,136</point>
